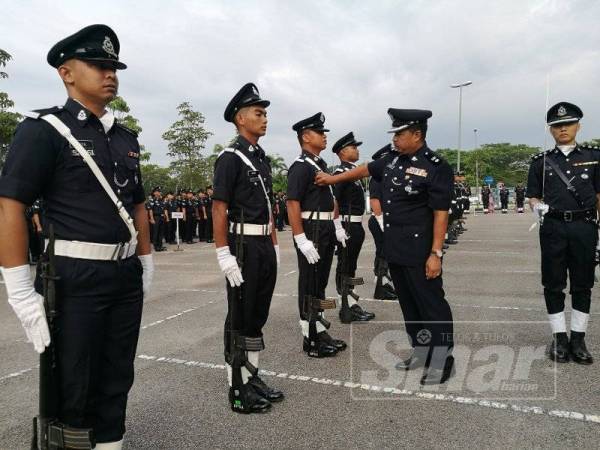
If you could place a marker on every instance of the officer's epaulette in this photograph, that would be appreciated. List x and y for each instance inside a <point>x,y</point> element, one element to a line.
<point>590,147</point>
<point>38,113</point>
<point>539,155</point>
<point>129,130</point>
<point>338,170</point>
<point>434,158</point>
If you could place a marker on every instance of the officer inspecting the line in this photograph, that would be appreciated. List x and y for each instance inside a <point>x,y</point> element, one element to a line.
<point>102,242</point>
<point>350,198</point>
<point>313,209</point>
<point>243,192</point>
<point>417,189</point>
<point>563,187</point>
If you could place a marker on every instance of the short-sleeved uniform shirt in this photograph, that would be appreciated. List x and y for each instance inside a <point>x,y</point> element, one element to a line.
<point>412,187</point>
<point>42,164</point>
<point>581,166</point>
<point>238,185</point>
<point>301,186</point>
<point>350,196</point>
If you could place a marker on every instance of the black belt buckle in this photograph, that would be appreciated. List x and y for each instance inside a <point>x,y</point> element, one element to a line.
<point>568,216</point>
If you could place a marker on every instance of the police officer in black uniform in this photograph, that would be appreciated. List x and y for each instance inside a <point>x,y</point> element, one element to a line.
<point>384,289</point>
<point>313,208</point>
<point>101,284</point>
<point>485,198</point>
<point>563,187</point>
<point>171,225</point>
<point>191,211</point>
<point>208,208</point>
<point>158,217</point>
<point>504,199</point>
<point>351,203</point>
<point>520,197</point>
<point>243,186</point>
<point>417,188</point>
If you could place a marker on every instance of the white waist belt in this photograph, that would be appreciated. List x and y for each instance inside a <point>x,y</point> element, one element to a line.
<point>251,229</point>
<point>352,218</point>
<point>322,215</point>
<point>92,250</point>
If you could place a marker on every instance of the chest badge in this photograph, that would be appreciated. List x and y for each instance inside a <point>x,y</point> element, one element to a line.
<point>416,171</point>
<point>408,189</point>
<point>585,176</point>
<point>82,115</point>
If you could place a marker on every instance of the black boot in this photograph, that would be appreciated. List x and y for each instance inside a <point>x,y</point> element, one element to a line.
<point>578,350</point>
<point>559,348</point>
<point>384,291</point>
<point>261,388</point>
<point>439,376</point>
<point>320,349</point>
<point>246,401</point>
<point>358,310</point>
<point>338,344</point>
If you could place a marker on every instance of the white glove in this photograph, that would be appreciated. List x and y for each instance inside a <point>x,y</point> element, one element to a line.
<point>28,305</point>
<point>540,209</point>
<point>307,248</point>
<point>148,266</point>
<point>379,219</point>
<point>277,255</point>
<point>340,233</point>
<point>229,266</point>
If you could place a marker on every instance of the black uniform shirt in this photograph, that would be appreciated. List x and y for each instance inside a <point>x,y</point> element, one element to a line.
<point>238,185</point>
<point>350,196</point>
<point>520,193</point>
<point>504,194</point>
<point>158,209</point>
<point>581,167</point>
<point>208,206</point>
<point>301,186</point>
<point>412,187</point>
<point>42,164</point>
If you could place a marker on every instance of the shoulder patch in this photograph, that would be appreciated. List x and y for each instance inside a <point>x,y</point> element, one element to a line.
<point>129,130</point>
<point>38,113</point>
<point>539,155</point>
<point>338,170</point>
<point>433,158</point>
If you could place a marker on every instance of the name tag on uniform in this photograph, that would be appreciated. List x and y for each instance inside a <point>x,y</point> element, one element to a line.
<point>133,155</point>
<point>253,175</point>
<point>87,145</point>
<point>416,171</point>
<point>587,163</point>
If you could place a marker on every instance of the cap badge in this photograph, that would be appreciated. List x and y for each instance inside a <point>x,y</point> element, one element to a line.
<point>322,118</point>
<point>107,46</point>
<point>561,111</point>
<point>255,91</point>
<point>82,115</point>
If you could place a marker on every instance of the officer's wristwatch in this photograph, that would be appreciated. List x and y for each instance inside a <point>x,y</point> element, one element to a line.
<point>437,253</point>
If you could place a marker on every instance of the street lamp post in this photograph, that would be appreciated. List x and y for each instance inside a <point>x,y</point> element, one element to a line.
<point>459,86</point>
<point>475,133</point>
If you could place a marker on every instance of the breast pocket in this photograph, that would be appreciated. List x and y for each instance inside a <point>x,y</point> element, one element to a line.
<point>80,176</point>
<point>126,174</point>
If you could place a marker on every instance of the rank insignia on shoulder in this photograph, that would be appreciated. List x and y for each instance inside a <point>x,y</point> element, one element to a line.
<point>586,163</point>
<point>133,155</point>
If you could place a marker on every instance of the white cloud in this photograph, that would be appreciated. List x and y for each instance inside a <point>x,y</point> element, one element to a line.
<point>350,59</point>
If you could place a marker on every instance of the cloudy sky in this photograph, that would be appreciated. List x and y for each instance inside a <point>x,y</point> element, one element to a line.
<point>349,59</point>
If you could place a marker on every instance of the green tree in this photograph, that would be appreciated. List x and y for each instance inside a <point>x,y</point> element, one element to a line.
<point>503,161</point>
<point>279,172</point>
<point>155,175</point>
<point>120,110</point>
<point>8,119</point>
<point>594,142</point>
<point>186,139</point>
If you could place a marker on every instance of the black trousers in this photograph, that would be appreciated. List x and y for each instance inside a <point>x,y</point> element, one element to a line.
<point>357,236</point>
<point>171,230</point>
<point>36,242</point>
<point>201,229</point>
<point>260,274</point>
<point>209,228</point>
<point>568,247</point>
<point>307,281</point>
<point>157,233</point>
<point>427,314</point>
<point>190,224</point>
<point>100,309</point>
<point>520,202</point>
<point>280,221</point>
<point>504,204</point>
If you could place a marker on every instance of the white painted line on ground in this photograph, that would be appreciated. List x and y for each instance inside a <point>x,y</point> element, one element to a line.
<point>538,410</point>
<point>17,374</point>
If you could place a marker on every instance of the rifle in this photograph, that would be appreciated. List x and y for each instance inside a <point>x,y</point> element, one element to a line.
<point>239,345</point>
<point>48,432</point>
<point>347,282</point>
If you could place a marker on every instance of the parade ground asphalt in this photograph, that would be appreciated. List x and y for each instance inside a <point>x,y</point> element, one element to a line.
<point>505,394</point>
